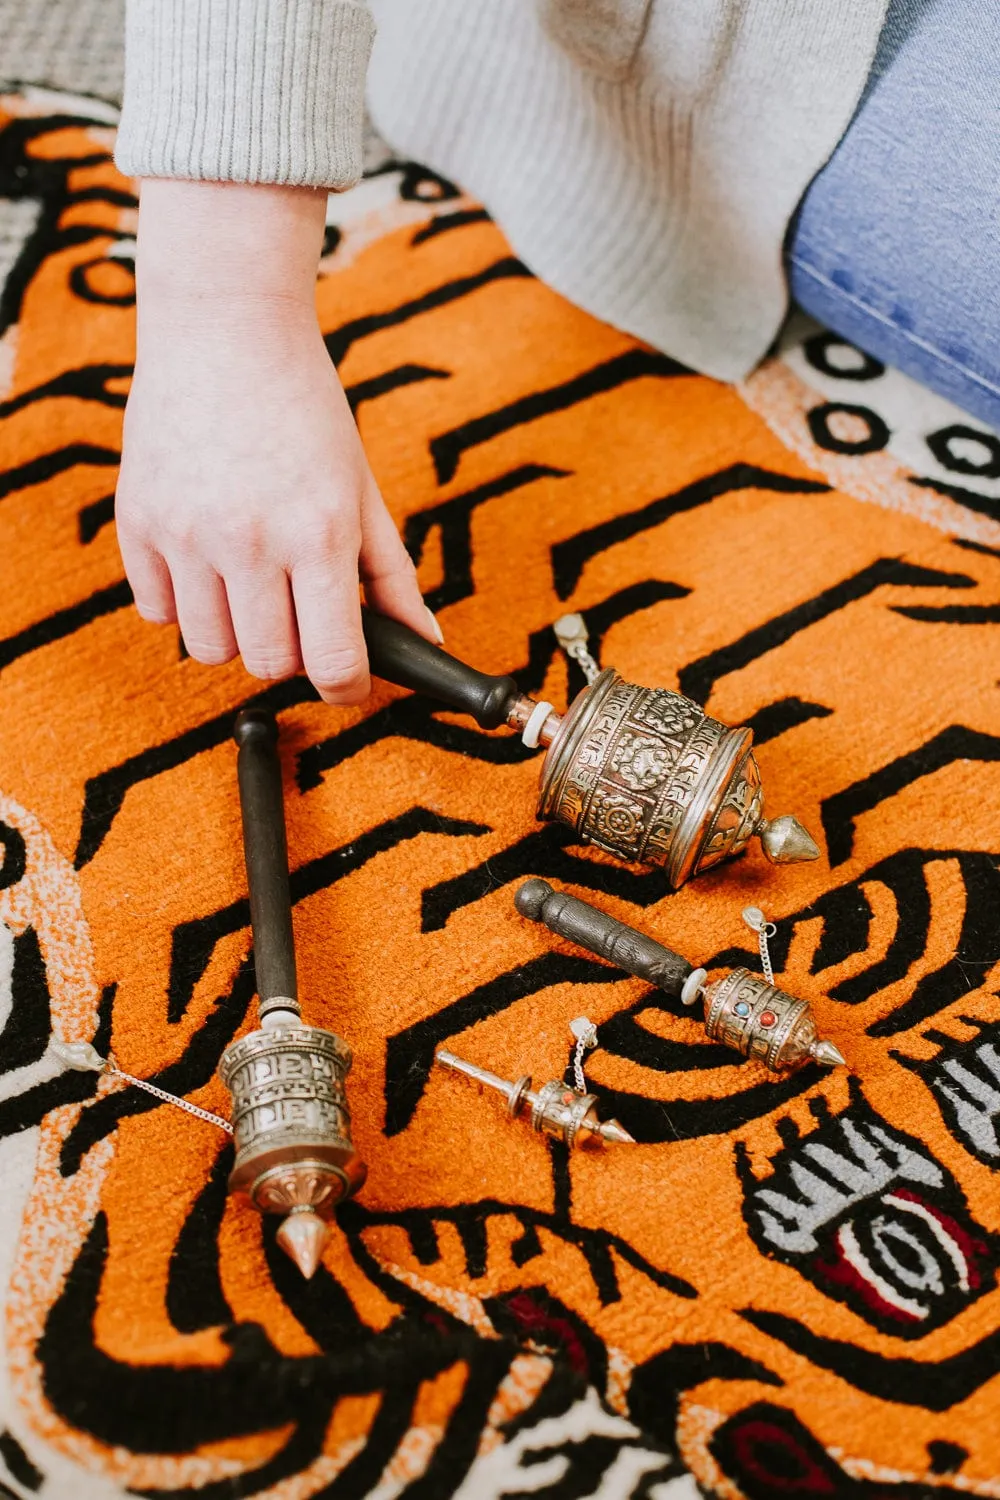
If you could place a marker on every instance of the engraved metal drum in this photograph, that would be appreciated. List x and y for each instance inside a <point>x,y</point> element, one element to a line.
<point>646,775</point>
<point>291,1125</point>
<point>559,1111</point>
<point>755,1018</point>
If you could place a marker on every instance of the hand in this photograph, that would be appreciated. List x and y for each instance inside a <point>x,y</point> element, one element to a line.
<point>246,509</point>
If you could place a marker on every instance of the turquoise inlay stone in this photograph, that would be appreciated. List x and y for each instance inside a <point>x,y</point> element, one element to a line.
<point>741,1008</point>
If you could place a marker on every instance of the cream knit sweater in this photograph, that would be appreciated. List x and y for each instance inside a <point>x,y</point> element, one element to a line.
<point>643,156</point>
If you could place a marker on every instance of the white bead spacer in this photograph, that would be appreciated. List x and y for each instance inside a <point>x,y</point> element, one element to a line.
<point>692,986</point>
<point>533,728</point>
<point>275,1019</point>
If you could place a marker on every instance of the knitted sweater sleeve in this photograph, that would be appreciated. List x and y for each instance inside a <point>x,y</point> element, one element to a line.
<point>245,90</point>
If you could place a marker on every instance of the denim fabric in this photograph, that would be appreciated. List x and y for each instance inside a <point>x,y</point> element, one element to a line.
<point>896,245</point>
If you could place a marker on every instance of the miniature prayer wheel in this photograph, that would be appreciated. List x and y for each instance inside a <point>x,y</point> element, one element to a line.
<point>291,1125</point>
<point>555,1109</point>
<point>642,773</point>
<point>742,1010</point>
<point>758,1020</point>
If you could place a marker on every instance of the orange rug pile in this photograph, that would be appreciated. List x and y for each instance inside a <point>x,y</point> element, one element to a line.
<point>786,1288</point>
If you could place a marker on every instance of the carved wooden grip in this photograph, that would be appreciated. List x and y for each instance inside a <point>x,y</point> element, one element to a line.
<point>266,850</point>
<point>400,655</point>
<point>604,935</point>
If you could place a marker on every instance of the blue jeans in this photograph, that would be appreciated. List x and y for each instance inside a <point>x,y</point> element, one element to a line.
<point>896,245</point>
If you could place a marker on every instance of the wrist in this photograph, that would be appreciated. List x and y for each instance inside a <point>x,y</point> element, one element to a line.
<point>205,246</point>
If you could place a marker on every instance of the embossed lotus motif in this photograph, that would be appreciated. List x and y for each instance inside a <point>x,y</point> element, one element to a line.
<point>669,713</point>
<point>296,1187</point>
<point>641,761</point>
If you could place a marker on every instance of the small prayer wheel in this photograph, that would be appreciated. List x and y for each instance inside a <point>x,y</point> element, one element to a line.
<point>642,773</point>
<point>758,1020</point>
<point>291,1125</point>
<point>555,1109</point>
<point>292,1131</point>
<point>742,1010</point>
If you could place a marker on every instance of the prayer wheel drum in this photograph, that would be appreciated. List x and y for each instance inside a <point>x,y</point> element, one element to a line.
<point>645,775</point>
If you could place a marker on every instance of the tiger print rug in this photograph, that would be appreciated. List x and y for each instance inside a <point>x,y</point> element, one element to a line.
<point>786,1288</point>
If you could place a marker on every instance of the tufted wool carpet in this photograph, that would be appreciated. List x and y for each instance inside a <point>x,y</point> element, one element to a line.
<point>786,1288</point>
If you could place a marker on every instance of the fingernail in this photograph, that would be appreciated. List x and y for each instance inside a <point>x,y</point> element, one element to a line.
<point>438,632</point>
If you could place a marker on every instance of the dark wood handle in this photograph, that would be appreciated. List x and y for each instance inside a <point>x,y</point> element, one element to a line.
<point>604,935</point>
<point>400,655</point>
<point>266,849</point>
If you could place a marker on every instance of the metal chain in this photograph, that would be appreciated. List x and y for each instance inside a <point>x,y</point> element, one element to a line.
<point>588,665</point>
<point>765,956</point>
<point>755,919</point>
<point>174,1099</point>
<point>85,1058</point>
<point>586,1039</point>
<point>571,633</point>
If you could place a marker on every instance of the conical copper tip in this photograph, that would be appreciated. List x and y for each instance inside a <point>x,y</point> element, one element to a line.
<point>302,1236</point>
<point>610,1130</point>
<point>785,841</point>
<point>827,1054</point>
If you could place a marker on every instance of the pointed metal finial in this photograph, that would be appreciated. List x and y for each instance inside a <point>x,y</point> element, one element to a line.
<point>302,1236</point>
<point>555,1109</point>
<point>785,841</point>
<point>826,1053</point>
<point>610,1130</point>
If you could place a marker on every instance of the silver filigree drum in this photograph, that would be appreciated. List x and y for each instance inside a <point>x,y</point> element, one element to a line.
<point>646,775</point>
<point>758,1020</point>
<point>292,1130</point>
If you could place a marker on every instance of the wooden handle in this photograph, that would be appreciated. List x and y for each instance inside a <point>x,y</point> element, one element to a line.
<point>400,655</point>
<point>266,850</point>
<point>604,935</point>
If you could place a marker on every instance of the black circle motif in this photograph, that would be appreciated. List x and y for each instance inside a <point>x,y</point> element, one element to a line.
<point>82,281</point>
<point>420,185</point>
<point>943,446</point>
<point>819,419</point>
<point>819,351</point>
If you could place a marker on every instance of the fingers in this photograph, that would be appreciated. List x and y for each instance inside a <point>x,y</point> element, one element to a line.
<point>203,613</point>
<point>149,578</point>
<point>277,624</point>
<point>260,606</point>
<point>328,610</point>
<point>387,571</point>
